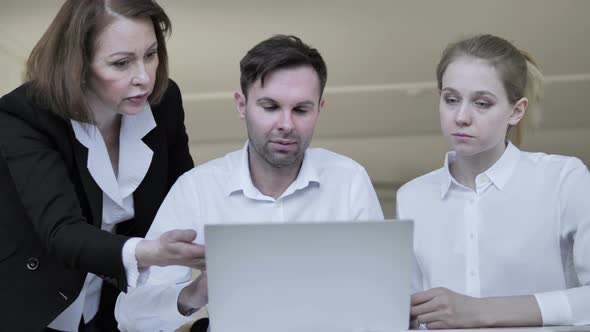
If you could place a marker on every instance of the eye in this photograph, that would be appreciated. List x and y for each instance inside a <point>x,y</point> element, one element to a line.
<point>451,100</point>
<point>301,110</point>
<point>121,63</point>
<point>151,55</point>
<point>270,107</point>
<point>483,104</point>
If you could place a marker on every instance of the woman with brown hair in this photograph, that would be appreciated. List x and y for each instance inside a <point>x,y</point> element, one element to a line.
<point>89,147</point>
<point>502,236</point>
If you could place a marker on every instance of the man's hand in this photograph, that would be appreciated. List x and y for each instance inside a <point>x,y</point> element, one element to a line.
<point>194,296</point>
<point>441,308</point>
<point>174,247</point>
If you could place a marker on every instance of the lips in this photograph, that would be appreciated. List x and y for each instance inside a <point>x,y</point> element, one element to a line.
<point>283,142</point>
<point>462,135</point>
<point>137,99</point>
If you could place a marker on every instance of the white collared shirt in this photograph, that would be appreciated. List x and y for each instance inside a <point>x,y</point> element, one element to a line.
<point>524,230</point>
<point>329,187</point>
<point>134,161</point>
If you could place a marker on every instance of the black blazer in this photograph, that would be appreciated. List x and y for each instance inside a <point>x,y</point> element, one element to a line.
<point>51,208</point>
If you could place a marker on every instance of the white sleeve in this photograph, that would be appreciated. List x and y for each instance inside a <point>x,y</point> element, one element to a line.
<point>130,262</point>
<point>417,285</point>
<point>572,306</point>
<point>364,202</point>
<point>153,305</point>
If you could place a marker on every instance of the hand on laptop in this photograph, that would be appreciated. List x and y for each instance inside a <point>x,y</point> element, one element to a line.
<point>174,247</point>
<point>194,296</point>
<point>441,308</point>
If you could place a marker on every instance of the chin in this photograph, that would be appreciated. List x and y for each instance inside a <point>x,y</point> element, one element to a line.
<point>131,110</point>
<point>466,151</point>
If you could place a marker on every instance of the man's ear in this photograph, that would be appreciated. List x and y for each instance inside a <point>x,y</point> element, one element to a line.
<point>240,101</point>
<point>518,111</point>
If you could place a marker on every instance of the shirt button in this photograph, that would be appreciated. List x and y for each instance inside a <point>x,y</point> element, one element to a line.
<point>471,236</point>
<point>32,263</point>
<point>472,273</point>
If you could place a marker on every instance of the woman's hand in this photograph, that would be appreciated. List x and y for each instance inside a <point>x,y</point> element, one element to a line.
<point>174,247</point>
<point>441,308</point>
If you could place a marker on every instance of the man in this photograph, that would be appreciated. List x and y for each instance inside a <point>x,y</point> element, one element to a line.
<point>275,177</point>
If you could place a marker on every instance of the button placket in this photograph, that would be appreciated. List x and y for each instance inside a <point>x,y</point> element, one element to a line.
<point>472,248</point>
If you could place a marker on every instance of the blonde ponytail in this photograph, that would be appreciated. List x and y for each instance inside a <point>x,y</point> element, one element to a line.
<point>534,93</point>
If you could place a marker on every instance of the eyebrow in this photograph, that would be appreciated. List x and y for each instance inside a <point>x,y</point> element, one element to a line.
<point>270,100</point>
<point>155,44</point>
<point>476,93</point>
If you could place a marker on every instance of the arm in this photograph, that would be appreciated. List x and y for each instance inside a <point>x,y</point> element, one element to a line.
<point>572,306</point>
<point>45,189</point>
<point>363,199</point>
<point>441,308</point>
<point>416,283</point>
<point>154,305</point>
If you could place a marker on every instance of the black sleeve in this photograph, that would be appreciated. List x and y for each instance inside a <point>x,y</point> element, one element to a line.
<point>44,185</point>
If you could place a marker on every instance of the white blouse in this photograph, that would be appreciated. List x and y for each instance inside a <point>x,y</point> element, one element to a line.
<point>525,229</point>
<point>134,161</point>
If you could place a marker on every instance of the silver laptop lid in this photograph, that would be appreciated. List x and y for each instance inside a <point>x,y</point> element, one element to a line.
<point>329,276</point>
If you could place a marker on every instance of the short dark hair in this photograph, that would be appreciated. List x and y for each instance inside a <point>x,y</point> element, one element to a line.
<point>59,64</point>
<point>279,52</point>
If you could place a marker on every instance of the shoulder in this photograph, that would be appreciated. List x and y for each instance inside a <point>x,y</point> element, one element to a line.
<point>170,106</point>
<point>550,164</point>
<point>326,160</point>
<point>425,184</point>
<point>213,170</point>
<point>20,102</point>
<point>19,113</point>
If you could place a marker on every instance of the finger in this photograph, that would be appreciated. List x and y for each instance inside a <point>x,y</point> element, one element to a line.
<point>424,308</point>
<point>180,235</point>
<point>435,316</point>
<point>437,325</point>
<point>187,250</point>
<point>199,264</point>
<point>422,297</point>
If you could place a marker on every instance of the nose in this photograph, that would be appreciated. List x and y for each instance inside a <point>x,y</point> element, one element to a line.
<point>140,76</point>
<point>463,115</point>
<point>286,121</point>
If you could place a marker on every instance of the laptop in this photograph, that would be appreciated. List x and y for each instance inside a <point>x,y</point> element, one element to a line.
<point>307,277</point>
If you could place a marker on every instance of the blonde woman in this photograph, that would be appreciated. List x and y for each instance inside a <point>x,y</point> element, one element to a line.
<point>502,236</point>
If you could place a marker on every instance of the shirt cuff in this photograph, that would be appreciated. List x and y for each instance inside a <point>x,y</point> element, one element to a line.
<point>130,262</point>
<point>555,308</point>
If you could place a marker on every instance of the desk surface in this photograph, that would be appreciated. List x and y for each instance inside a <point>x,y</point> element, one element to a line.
<point>528,329</point>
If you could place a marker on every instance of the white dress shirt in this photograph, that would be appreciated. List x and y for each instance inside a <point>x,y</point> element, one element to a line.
<point>524,230</point>
<point>329,187</point>
<point>134,161</point>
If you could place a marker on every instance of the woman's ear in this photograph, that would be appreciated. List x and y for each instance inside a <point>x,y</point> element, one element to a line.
<point>518,111</point>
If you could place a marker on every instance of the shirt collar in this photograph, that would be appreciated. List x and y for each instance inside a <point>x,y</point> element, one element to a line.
<point>498,174</point>
<point>134,156</point>
<point>241,179</point>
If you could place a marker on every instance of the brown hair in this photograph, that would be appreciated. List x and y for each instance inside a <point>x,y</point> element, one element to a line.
<point>278,52</point>
<point>58,66</point>
<point>518,72</point>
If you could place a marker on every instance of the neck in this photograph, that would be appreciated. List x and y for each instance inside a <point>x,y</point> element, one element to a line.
<point>465,169</point>
<point>108,123</point>
<point>271,180</point>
